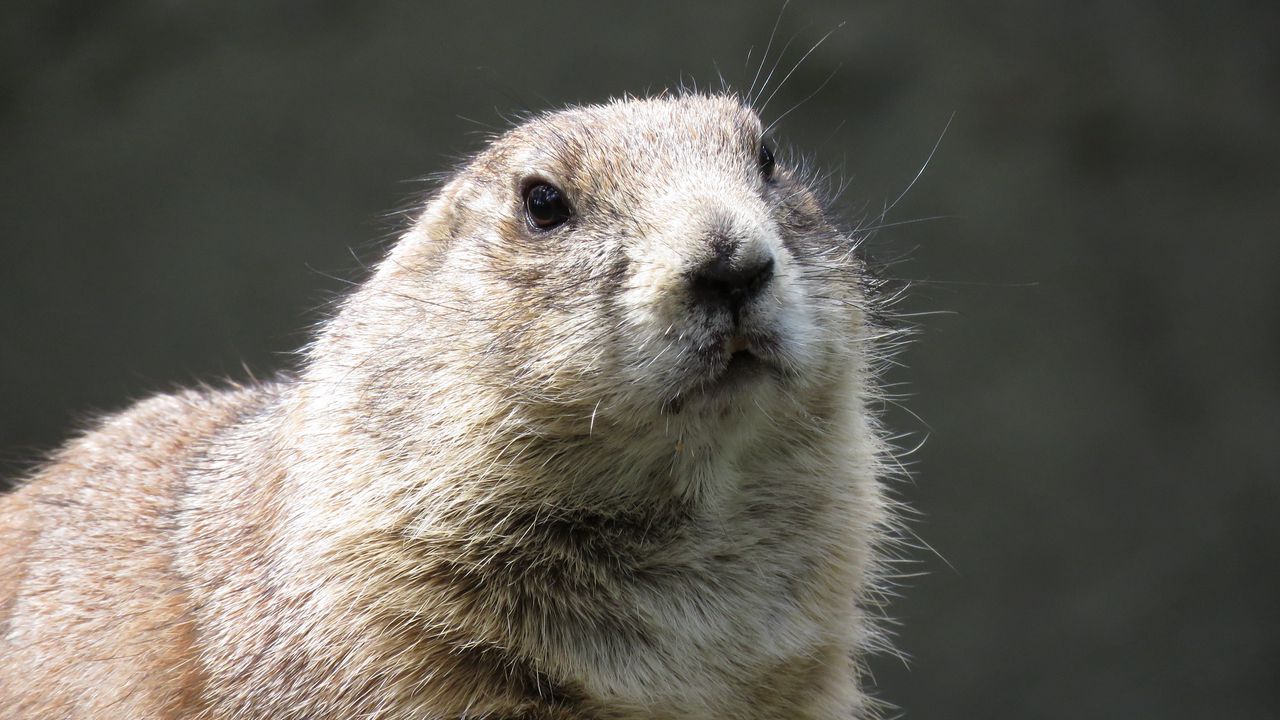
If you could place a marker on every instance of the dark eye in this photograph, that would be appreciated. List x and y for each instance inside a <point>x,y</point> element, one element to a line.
<point>545,207</point>
<point>766,161</point>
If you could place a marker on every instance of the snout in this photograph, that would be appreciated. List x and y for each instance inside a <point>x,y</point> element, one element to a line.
<point>731,265</point>
<point>730,278</point>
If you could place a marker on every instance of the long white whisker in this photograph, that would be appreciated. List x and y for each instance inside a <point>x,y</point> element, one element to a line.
<point>920,172</point>
<point>764,58</point>
<point>798,64</point>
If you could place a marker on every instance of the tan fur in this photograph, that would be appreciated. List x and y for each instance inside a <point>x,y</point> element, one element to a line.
<point>504,484</point>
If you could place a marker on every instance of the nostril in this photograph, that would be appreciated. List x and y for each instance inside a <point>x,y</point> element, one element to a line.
<point>763,273</point>
<point>722,281</point>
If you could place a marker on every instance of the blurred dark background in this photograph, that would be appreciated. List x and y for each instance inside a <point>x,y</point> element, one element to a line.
<point>184,182</point>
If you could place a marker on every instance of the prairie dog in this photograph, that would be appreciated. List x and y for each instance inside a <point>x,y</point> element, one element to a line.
<point>591,443</point>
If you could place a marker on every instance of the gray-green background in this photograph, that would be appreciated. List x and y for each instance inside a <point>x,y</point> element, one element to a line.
<point>182,180</point>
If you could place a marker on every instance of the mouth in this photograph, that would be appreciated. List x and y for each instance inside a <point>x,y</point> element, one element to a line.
<point>728,366</point>
<point>733,363</point>
<point>742,364</point>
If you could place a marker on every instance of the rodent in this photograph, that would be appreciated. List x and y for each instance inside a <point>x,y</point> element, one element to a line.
<point>593,441</point>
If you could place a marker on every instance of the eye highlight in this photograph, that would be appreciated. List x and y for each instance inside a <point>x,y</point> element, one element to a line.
<point>766,161</point>
<point>544,206</point>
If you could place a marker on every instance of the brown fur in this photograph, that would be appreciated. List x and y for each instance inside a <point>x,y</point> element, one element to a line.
<point>500,487</point>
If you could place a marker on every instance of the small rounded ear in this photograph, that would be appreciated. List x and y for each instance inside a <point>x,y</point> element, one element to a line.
<point>434,226</point>
<point>437,219</point>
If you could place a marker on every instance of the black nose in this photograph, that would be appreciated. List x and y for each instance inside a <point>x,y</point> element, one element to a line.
<point>728,281</point>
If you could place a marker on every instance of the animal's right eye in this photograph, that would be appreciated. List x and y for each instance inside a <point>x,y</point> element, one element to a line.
<point>545,206</point>
<point>766,161</point>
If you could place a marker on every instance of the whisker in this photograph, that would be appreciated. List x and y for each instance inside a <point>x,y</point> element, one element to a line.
<point>799,63</point>
<point>764,58</point>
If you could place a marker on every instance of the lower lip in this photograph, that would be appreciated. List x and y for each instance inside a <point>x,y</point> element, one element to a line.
<point>741,369</point>
<point>741,365</point>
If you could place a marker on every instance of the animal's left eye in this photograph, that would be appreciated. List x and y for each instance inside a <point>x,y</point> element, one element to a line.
<point>545,206</point>
<point>766,161</point>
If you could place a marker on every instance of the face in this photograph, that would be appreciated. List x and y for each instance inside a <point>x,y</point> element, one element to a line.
<point>649,261</point>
